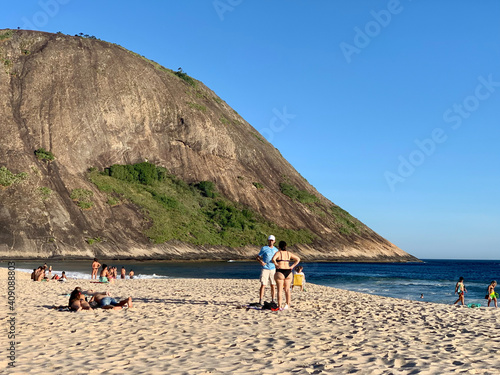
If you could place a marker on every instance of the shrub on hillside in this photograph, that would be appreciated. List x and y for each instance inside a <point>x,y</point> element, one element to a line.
<point>207,188</point>
<point>145,173</point>
<point>8,178</point>
<point>43,154</point>
<point>296,194</point>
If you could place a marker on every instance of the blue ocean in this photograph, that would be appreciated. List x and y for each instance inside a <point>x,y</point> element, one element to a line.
<point>434,279</point>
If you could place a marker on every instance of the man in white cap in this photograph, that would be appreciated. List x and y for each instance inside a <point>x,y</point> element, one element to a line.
<point>268,267</point>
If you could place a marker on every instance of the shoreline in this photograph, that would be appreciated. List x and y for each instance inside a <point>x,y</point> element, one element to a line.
<point>200,326</point>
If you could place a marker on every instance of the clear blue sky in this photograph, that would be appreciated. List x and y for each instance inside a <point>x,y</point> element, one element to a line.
<point>389,108</point>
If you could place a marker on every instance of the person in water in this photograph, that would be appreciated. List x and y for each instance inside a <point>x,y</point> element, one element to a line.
<point>492,296</point>
<point>461,290</point>
<point>283,275</point>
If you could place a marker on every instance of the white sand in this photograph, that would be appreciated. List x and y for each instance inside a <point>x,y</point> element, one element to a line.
<point>191,326</point>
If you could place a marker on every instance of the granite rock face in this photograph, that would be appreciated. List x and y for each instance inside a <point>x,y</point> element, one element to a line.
<point>94,104</point>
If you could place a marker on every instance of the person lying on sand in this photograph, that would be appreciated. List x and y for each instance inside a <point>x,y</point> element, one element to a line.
<point>105,301</point>
<point>77,300</point>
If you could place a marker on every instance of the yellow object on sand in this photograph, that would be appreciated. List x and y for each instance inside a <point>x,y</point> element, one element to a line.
<point>298,280</point>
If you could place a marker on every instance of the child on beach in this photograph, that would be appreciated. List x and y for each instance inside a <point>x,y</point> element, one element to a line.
<point>299,279</point>
<point>131,274</point>
<point>492,296</point>
<point>460,289</point>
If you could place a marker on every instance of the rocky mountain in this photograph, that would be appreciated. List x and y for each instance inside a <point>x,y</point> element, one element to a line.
<point>70,104</point>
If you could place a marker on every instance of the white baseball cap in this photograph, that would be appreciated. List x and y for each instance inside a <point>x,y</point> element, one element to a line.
<point>271,238</point>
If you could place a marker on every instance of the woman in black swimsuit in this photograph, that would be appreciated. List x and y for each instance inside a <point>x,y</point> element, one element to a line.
<point>283,275</point>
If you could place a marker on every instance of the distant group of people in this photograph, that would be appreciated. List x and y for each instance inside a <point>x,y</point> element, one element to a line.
<point>491,295</point>
<point>79,301</point>
<point>278,273</point>
<point>108,273</point>
<point>44,273</point>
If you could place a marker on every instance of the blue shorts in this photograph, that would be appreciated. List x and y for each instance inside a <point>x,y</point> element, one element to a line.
<point>108,301</point>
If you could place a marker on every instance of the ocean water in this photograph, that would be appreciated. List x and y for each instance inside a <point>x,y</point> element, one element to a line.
<point>433,278</point>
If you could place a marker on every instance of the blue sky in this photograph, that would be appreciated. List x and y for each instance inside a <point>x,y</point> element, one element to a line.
<point>389,108</point>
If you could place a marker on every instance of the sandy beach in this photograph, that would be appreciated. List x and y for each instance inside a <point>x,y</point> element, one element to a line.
<point>201,326</point>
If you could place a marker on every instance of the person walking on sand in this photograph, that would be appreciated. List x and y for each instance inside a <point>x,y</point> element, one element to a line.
<point>461,290</point>
<point>268,268</point>
<point>492,296</point>
<point>95,269</point>
<point>283,275</point>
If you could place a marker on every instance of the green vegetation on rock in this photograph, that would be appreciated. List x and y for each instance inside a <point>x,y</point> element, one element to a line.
<point>83,198</point>
<point>43,154</point>
<point>296,194</point>
<point>192,213</point>
<point>199,107</point>
<point>8,178</point>
<point>6,34</point>
<point>348,224</point>
<point>92,241</point>
<point>45,192</point>
<point>182,75</point>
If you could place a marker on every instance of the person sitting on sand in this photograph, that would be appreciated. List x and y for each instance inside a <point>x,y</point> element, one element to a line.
<point>95,269</point>
<point>55,277</point>
<point>105,301</point>
<point>77,300</point>
<point>40,274</point>
<point>492,296</point>
<point>105,275</point>
<point>283,275</point>
<point>461,290</point>
<point>63,277</point>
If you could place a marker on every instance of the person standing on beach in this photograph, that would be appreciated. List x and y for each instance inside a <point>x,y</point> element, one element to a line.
<point>283,275</point>
<point>492,296</point>
<point>122,273</point>
<point>268,268</point>
<point>95,269</point>
<point>460,289</point>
